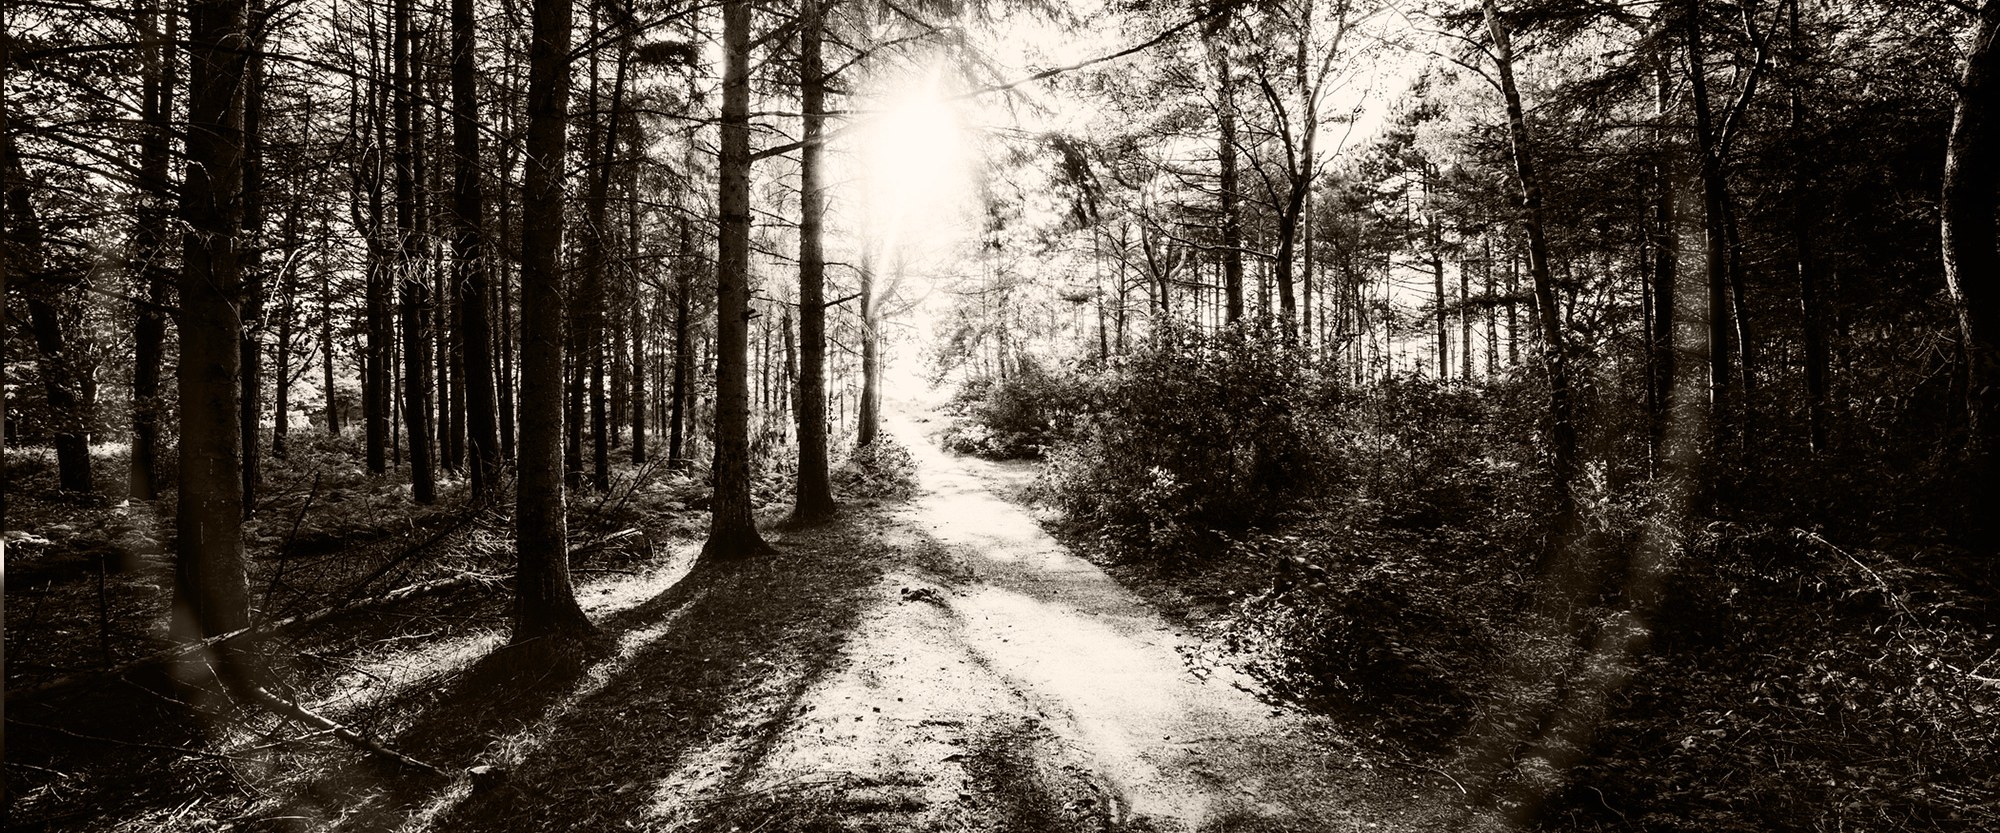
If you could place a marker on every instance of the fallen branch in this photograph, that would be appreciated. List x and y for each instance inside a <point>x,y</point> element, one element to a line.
<point>185,649</point>
<point>463,520</point>
<point>286,708</point>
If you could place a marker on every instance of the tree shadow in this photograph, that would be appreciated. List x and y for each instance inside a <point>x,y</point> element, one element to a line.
<point>688,715</point>
<point>454,723</point>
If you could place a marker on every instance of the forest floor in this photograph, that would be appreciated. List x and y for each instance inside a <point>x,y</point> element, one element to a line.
<point>932,661</point>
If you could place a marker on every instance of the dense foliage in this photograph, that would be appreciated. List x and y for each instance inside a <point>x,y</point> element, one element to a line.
<point>1389,578</point>
<point>1190,437</point>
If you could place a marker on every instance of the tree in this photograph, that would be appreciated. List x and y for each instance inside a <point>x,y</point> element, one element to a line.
<point>211,595</point>
<point>813,496</point>
<point>1970,208</point>
<point>469,254</point>
<point>369,176</point>
<point>52,308</point>
<point>1296,119</point>
<point>1713,138</point>
<point>1813,293</point>
<point>1555,343</point>
<point>151,244</point>
<point>592,296</point>
<point>732,532</point>
<point>251,343</point>
<point>1227,193</point>
<point>545,605</point>
<point>868,417</point>
<point>414,290</point>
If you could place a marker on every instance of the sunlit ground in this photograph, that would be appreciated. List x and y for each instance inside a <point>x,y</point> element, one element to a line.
<point>1020,663</point>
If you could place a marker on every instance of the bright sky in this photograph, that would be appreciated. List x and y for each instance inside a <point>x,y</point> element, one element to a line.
<point>909,170</point>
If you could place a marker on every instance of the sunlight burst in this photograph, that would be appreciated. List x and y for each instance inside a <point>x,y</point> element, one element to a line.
<point>915,157</point>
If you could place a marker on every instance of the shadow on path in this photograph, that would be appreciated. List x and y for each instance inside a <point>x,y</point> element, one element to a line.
<point>703,684</point>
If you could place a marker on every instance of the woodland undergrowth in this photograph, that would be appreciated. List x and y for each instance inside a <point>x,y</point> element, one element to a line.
<point>1824,661</point>
<point>90,580</point>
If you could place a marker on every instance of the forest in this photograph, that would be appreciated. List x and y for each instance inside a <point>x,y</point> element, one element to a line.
<point>892,415</point>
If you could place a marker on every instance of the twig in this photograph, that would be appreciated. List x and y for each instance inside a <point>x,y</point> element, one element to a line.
<point>285,547</point>
<point>1879,581</point>
<point>282,741</point>
<point>287,708</point>
<point>446,531</point>
<point>1447,776</point>
<point>55,772</point>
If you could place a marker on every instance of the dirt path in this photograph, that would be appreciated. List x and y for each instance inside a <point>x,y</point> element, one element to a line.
<point>939,664</point>
<point>1005,684</point>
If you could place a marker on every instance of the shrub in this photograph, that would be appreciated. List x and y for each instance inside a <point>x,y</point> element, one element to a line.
<point>1428,454</point>
<point>882,470</point>
<point>1191,435</point>
<point>1401,636</point>
<point>1017,417</point>
<point>1799,685</point>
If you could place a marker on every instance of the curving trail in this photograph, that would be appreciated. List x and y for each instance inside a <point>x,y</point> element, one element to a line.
<point>1002,683</point>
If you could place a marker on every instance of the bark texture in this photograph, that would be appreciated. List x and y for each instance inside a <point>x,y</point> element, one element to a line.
<point>813,498</point>
<point>1972,256</point>
<point>211,595</point>
<point>732,532</point>
<point>545,600</point>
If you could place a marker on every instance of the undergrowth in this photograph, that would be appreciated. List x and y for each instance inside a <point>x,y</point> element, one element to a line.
<point>1823,658</point>
<point>90,579</point>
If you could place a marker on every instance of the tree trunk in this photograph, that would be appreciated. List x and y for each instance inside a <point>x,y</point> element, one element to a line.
<point>1464,323</point>
<point>1812,294</point>
<point>211,594</point>
<point>545,601</point>
<point>812,498</point>
<point>415,289</point>
<point>1666,246</point>
<point>288,288</point>
<point>468,245</point>
<point>683,357</point>
<point>154,276</point>
<point>1971,203</point>
<point>619,354</point>
<point>252,360</point>
<point>1492,312</point>
<point>637,322</point>
<point>375,385</point>
<point>580,297</point>
<point>505,346</point>
<point>1715,209</point>
<point>1232,223</point>
<point>1439,319</point>
<point>594,293</point>
<point>506,384</point>
<point>868,416</point>
<point>1555,345</point>
<point>50,302</point>
<point>416,313</point>
<point>442,235</point>
<point>732,532</point>
<point>326,352</point>
<point>6,267</point>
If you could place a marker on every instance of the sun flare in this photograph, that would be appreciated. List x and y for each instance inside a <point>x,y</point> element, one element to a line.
<point>915,162</point>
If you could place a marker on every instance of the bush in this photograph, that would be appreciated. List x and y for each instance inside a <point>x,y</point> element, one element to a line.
<point>882,470</point>
<point>1799,685</point>
<point>1193,435</point>
<point>1016,417</point>
<point>1373,627</point>
<point>1428,454</point>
